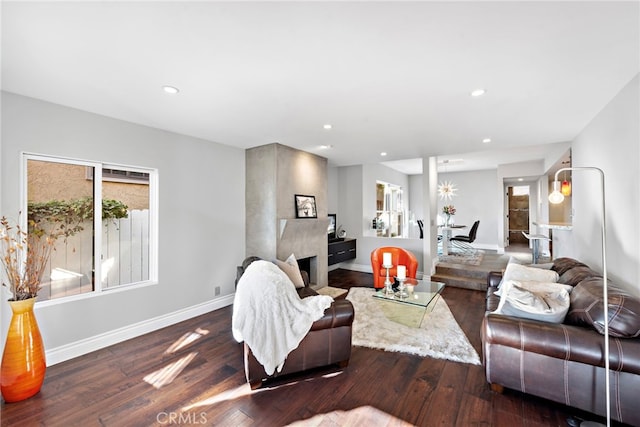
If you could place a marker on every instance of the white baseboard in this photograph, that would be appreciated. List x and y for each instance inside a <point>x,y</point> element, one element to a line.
<point>363,268</point>
<point>79,348</point>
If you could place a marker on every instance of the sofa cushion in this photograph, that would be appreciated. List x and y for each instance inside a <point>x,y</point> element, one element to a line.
<point>522,272</point>
<point>561,265</point>
<point>546,302</point>
<point>291,268</point>
<point>587,309</point>
<point>575,275</point>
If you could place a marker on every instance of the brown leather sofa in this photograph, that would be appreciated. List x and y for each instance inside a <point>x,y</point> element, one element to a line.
<point>565,362</point>
<point>327,343</point>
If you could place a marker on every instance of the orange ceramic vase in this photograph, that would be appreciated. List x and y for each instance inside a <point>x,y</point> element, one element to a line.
<point>23,361</point>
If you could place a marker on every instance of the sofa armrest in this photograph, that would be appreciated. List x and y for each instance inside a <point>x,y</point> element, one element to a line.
<point>494,278</point>
<point>560,341</point>
<point>340,313</point>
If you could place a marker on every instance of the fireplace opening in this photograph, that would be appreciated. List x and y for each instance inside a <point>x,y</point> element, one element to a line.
<point>310,265</point>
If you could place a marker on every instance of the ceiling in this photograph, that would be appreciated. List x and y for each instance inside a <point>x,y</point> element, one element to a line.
<point>388,76</point>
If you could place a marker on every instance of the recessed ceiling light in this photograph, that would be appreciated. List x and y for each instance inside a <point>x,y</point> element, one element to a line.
<point>478,92</point>
<point>327,126</point>
<point>170,89</point>
<point>520,179</point>
<point>384,153</point>
<point>486,140</point>
<point>326,146</point>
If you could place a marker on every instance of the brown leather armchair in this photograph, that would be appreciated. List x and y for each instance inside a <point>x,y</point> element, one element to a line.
<point>399,256</point>
<point>327,343</point>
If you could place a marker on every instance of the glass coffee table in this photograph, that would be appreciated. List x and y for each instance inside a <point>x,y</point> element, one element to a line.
<point>410,310</point>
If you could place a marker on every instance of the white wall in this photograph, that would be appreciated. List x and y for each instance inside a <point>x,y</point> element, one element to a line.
<point>611,143</point>
<point>475,199</point>
<point>355,186</point>
<point>416,204</point>
<point>354,190</point>
<point>201,220</point>
<point>332,190</point>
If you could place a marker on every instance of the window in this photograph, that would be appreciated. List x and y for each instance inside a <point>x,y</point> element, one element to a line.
<point>389,210</point>
<point>109,250</point>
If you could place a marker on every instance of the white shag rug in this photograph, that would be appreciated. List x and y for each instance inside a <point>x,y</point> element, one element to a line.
<point>439,335</point>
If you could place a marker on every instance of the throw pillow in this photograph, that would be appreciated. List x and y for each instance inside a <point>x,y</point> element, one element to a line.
<point>575,275</point>
<point>561,265</point>
<point>549,305</point>
<point>587,309</point>
<point>522,272</point>
<point>545,266</point>
<point>291,268</point>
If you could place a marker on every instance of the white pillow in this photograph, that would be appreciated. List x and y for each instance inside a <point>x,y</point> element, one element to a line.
<point>522,272</point>
<point>291,268</point>
<point>549,303</point>
<point>534,286</point>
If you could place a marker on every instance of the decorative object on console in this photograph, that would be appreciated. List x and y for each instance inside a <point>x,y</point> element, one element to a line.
<point>557,197</point>
<point>332,231</point>
<point>305,206</point>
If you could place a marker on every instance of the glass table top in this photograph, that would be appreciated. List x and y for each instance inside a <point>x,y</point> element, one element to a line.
<point>420,293</point>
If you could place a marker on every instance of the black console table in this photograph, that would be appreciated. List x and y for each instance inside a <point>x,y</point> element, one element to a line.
<point>341,250</point>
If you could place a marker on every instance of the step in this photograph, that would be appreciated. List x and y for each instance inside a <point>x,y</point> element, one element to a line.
<point>461,271</point>
<point>461,282</point>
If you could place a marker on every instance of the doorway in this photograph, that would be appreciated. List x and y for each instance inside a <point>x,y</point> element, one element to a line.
<point>518,214</point>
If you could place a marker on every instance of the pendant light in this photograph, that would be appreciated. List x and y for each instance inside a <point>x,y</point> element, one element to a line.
<point>565,188</point>
<point>446,189</point>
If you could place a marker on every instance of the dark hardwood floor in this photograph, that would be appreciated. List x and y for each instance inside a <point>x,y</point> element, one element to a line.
<point>192,374</point>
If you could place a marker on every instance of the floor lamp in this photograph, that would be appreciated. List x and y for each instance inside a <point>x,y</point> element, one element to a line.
<point>557,197</point>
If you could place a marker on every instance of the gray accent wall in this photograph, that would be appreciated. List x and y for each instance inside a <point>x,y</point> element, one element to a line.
<point>275,173</point>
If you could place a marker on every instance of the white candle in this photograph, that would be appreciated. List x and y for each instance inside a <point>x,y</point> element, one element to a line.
<point>386,258</point>
<point>402,272</point>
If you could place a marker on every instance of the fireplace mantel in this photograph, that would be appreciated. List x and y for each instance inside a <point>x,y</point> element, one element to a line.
<point>301,237</point>
<point>307,225</point>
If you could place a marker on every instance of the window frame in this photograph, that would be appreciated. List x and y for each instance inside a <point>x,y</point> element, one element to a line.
<point>97,219</point>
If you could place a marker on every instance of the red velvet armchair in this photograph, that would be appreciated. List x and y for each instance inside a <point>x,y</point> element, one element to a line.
<point>399,256</point>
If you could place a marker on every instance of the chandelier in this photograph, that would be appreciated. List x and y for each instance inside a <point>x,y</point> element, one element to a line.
<point>447,190</point>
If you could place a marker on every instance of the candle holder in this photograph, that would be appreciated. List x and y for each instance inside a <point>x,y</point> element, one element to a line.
<point>402,292</point>
<point>388,289</point>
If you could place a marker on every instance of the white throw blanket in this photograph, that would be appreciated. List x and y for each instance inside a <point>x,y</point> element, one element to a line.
<point>269,315</point>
